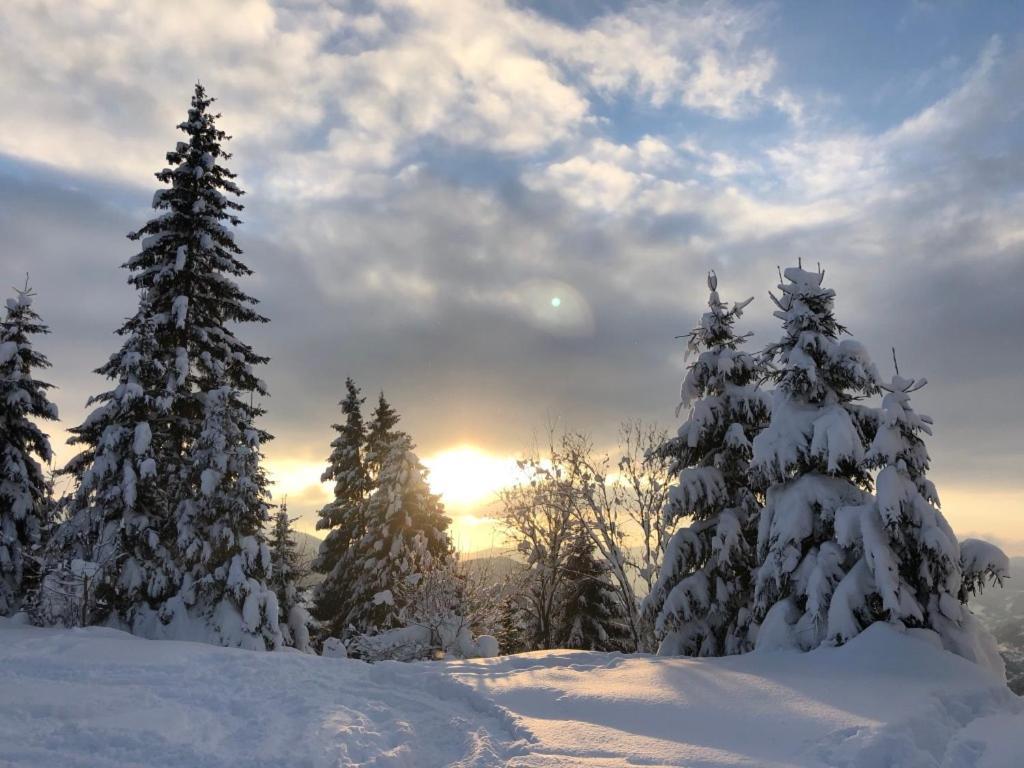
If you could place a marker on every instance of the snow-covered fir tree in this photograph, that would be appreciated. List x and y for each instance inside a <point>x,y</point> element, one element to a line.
<point>406,536</point>
<point>220,539</point>
<point>24,490</point>
<point>811,461</point>
<point>700,603</point>
<point>200,411</point>
<point>120,515</point>
<point>592,616</point>
<point>908,570</point>
<point>284,557</point>
<point>342,517</point>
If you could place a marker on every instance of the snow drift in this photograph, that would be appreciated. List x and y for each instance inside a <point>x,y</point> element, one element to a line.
<point>99,697</point>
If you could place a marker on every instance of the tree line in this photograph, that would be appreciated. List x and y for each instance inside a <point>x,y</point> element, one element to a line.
<point>787,510</point>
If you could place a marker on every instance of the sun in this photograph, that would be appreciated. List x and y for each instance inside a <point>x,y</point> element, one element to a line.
<point>467,477</point>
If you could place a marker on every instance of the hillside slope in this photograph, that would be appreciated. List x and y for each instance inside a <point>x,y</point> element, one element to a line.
<point>1002,611</point>
<point>101,698</point>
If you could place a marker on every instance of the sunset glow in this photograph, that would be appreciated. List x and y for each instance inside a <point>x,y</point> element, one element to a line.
<point>467,477</point>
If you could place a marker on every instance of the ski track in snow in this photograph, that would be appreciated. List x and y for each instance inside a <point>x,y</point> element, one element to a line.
<point>100,698</point>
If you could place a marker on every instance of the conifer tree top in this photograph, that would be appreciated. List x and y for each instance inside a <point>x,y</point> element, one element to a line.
<point>18,358</point>
<point>189,260</point>
<point>804,305</point>
<point>716,325</point>
<point>813,364</point>
<point>385,417</point>
<point>346,466</point>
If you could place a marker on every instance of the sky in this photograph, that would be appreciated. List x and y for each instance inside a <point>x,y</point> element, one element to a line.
<point>502,213</point>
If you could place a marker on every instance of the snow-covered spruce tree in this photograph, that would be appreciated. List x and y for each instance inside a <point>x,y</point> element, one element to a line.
<point>810,460</point>
<point>223,552</point>
<point>284,557</point>
<point>23,485</point>
<point>592,615</point>
<point>185,273</point>
<point>187,267</point>
<point>908,570</point>
<point>700,604</point>
<point>405,537</point>
<point>120,515</point>
<point>342,517</point>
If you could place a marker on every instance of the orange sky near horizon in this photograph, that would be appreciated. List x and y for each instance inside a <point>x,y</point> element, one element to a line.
<point>469,478</point>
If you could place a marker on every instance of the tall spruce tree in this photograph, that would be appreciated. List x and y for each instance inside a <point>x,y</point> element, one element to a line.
<point>406,536</point>
<point>592,615</point>
<point>24,490</point>
<point>120,514</point>
<point>908,569</point>
<point>342,517</point>
<point>201,415</point>
<point>811,462</point>
<point>700,603</point>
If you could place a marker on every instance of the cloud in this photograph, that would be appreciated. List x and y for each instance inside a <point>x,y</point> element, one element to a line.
<point>331,101</point>
<point>425,178</point>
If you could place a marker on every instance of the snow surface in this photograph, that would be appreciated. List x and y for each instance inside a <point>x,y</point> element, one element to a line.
<point>98,697</point>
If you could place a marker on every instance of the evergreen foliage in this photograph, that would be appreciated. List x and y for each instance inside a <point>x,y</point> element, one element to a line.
<point>592,616</point>
<point>187,267</point>
<point>909,570</point>
<point>342,517</point>
<point>380,434</point>
<point>511,632</point>
<point>405,537</point>
<point>226,560</point>
<point>24,490</point>
<point>120,513</point>
<point>811,461</point>
<point>172,501</point>
<point>284,557</point>
<point>700,603</point>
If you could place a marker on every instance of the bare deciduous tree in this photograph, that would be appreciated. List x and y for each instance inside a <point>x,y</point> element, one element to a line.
<point>540,525</point>
<point>617,503</point>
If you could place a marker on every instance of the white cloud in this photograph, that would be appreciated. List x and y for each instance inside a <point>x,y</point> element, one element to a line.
<point>327,101</point>
<point>812,178</point>
<point>697,55</point>
<point>629,180</point>
<point>851,164</point>
<point>728,90</point>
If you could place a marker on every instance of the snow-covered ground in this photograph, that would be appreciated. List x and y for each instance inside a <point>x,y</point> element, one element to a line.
<point>98,697</point>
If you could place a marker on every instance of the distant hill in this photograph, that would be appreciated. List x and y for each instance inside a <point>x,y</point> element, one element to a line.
<point>1002,611</point>
<point>493,570</point>
<point>308,546</point>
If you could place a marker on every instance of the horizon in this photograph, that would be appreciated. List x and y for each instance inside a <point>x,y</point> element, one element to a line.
<point>524,238</point>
